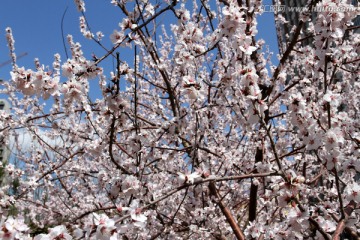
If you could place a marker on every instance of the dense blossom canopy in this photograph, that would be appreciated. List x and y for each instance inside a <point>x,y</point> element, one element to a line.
<point>197,134</point>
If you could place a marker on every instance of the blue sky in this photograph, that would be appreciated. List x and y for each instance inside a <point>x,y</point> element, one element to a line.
<point>36,27</point>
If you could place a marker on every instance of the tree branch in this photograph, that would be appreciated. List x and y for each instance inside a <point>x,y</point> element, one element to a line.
<point>227,213</point>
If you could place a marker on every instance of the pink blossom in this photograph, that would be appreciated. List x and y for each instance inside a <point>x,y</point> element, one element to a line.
<point>117,37</point>
<point>188,178</point>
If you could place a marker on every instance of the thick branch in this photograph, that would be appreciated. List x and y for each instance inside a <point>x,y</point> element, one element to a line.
<point>225,210</point>
<point>342,224</point>
<point>319,228</point>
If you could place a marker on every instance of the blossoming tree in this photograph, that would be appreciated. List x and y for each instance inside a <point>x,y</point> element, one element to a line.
<point>193,138</point>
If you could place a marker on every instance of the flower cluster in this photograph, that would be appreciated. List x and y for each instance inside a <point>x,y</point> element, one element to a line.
<point>40,82</point>
<point>12,228</point>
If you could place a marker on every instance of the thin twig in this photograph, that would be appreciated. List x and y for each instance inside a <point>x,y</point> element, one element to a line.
<point>62,32</point>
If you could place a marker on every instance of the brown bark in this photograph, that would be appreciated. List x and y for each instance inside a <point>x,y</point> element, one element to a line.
<point>342,224</point>
<point>254,188</point>
<point>225,210</point>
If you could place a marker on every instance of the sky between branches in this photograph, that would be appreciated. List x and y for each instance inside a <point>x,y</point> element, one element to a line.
<point>36,27</point>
